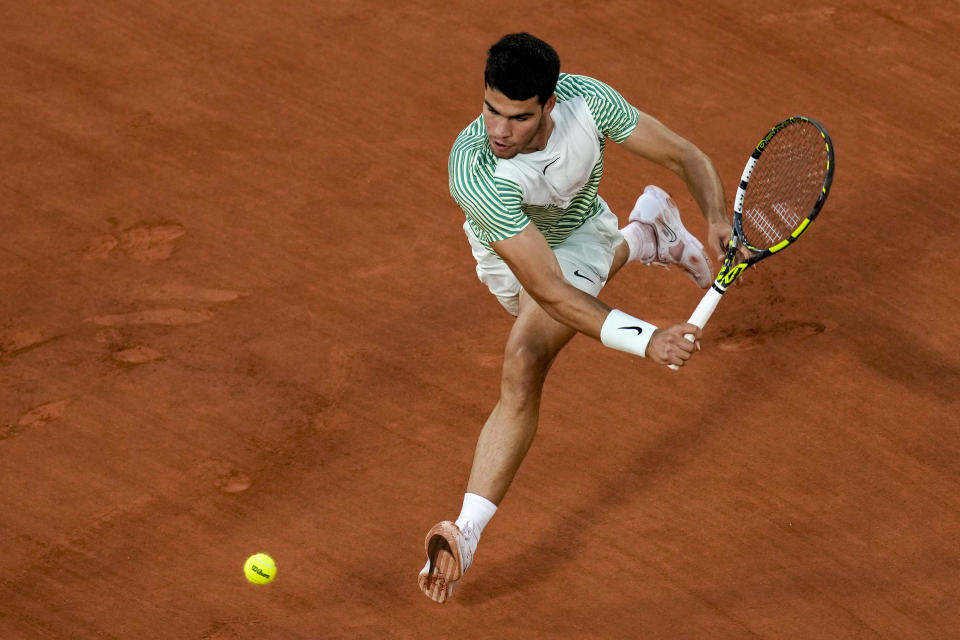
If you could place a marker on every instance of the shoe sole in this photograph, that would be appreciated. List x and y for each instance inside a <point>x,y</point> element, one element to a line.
<point>443,562</point>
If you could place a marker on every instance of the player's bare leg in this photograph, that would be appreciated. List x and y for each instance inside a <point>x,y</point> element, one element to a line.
<point>533,345</point>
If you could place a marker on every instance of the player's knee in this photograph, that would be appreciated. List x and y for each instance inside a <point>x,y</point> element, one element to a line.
<point>525,369</point>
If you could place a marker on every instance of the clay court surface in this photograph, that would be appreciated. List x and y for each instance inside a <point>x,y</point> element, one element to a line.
<point>238,314</point>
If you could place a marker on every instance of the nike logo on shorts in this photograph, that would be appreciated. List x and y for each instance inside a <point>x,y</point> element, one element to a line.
<point>577,273</point>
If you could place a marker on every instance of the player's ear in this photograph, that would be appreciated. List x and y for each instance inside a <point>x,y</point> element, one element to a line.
<point>550,104</point>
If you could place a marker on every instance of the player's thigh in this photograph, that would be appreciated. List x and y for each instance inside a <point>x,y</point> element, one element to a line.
<point>535,339</point>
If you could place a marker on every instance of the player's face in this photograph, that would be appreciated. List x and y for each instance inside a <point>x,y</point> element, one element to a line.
<point>515,126</point>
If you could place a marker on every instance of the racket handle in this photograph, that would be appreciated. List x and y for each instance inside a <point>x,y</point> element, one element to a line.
<point>705,309</point>
<point>700,315</point>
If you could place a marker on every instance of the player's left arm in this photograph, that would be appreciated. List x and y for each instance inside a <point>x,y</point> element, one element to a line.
<point>653,141</point>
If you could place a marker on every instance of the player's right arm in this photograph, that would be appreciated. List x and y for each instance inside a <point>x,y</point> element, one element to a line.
<point>533,263</point>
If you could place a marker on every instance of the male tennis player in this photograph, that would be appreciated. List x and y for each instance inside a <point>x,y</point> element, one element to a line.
<point>526,173</point>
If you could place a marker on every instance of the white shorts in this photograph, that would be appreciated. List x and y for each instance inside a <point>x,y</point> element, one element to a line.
<point>585,258</point>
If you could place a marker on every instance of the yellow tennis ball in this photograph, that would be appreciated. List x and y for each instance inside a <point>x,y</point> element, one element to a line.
<point>260,568</point>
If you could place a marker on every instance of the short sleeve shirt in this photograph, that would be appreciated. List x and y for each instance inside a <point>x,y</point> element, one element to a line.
<point>554,188</point>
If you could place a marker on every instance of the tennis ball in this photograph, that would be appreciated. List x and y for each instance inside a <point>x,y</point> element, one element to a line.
<point>260,568</point>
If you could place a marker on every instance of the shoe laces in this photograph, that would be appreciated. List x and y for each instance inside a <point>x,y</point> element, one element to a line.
<point>470,535</point>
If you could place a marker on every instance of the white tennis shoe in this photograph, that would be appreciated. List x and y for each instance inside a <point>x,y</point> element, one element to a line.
<point>449,554</point>
<point>675,245</point>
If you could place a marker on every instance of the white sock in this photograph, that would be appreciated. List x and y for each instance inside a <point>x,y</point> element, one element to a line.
<point>641,240</point>
<point>476,509</point>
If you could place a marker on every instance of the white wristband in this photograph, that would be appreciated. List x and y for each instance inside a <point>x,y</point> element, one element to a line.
<point>626,333</point>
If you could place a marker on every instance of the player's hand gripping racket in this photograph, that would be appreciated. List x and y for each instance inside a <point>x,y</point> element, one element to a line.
<point>782,189</point>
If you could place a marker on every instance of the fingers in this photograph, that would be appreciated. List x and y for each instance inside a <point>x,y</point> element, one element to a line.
<point>688,328</point>
<point>680,353</point>
<point>677,347</point>
<point>677,343</point>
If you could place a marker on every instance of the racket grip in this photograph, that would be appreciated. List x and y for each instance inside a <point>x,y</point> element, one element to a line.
<point>700,315</point>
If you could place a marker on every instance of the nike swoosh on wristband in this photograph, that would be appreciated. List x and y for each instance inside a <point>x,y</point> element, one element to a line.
<point>639,329</point>
<point>577,273</point>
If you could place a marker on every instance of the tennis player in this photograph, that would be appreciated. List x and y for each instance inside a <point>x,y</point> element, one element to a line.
<point>526,174</point>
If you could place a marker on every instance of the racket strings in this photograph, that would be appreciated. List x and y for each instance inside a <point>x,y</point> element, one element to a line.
<point>784,185</point>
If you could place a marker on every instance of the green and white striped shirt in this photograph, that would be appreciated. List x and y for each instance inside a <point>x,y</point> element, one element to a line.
<point>556,187</point>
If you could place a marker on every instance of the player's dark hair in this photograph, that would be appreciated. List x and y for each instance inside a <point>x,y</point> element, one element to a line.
<point>521,66</point>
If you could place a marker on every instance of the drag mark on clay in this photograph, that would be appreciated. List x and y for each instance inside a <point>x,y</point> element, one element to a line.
<point>36,417</point>
<point>100,248</point>
<point>137,355</point>
<point>234,482</point>
<point>17,341</point>
<point>187,292</point>
<point>125,352</point>
<point>166,317</point>
<point>221,474</point>
<point>45,413</point>
<point>143,242</point>
<point>150,243</point>
<point>753,338</point>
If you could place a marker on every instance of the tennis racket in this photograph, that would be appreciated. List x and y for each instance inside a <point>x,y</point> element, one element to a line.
<point>783,187</point>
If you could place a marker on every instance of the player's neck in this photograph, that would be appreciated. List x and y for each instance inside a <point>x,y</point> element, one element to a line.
<point>540,138</point>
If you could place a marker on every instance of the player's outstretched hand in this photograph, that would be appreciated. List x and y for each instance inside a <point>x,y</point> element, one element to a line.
<point>668,346</point>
